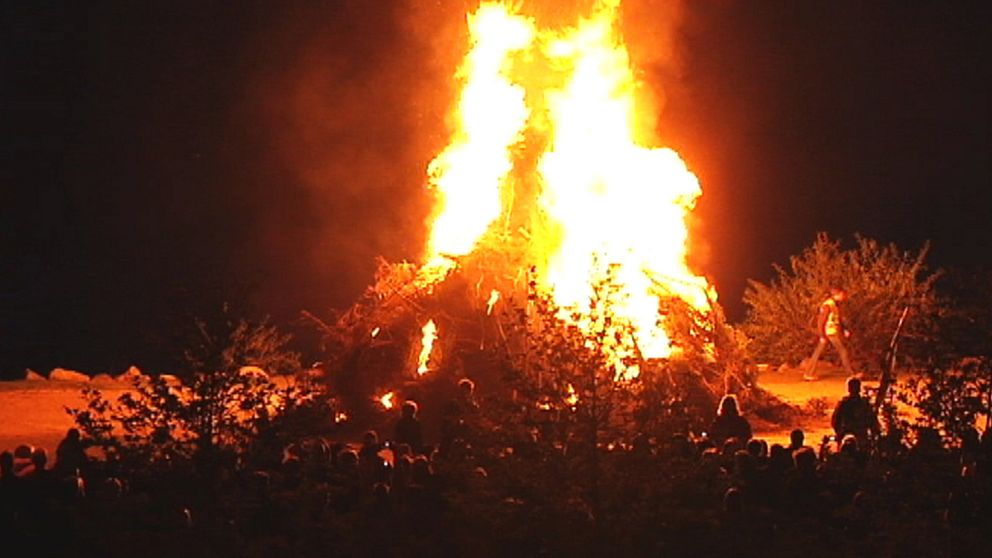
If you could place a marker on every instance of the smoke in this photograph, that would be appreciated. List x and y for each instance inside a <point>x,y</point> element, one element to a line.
<point>653,30</point>
<point>349,104</point>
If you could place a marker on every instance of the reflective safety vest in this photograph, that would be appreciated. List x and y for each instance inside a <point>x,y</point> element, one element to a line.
<point>832,326</point>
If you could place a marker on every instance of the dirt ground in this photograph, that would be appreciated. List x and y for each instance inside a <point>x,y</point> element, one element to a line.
<point>821,394</point>
<point>33,412</point>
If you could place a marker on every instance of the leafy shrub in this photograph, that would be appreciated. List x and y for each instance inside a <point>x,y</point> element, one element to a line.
<point>880,280</point>
<point>951,399</point>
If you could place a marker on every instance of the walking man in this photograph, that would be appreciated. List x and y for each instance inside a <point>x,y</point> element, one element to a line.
<point>830,327</point>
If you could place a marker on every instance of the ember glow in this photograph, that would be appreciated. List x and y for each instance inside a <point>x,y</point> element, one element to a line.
<point>388,401</point>
<point>572,399</point>
<point>429,336</point>
<point>605,205</point>
<point>493,299</point>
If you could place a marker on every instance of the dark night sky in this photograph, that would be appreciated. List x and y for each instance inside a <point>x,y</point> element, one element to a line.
<point>157,156</point>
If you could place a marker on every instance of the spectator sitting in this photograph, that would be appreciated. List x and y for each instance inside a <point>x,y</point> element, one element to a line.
<point>850,450</point>
<point>797,440</point>
<point>9,491</point>
<point>845,468</point>
<point>729,423</point>
<point>39,479</point>
<point>400,451</point>
<point>680,447</point>
<point>369,460</point>
<point>758,449</point>
<point>732,501</point>
<point>745,471</point>
<point>22,459</point>
<point>6,467</point>
<point>803,490</point>
<point>779,459</point>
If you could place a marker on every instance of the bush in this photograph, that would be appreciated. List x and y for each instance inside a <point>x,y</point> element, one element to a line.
<point>951,399</point>
<point>880,280</point>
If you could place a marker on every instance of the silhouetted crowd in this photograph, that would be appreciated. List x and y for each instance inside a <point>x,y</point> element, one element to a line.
<point>722,492</point>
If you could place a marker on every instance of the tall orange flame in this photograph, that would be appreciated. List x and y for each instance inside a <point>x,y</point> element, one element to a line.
<point>428,336</point>
<point>468,174</point>
<point>611,207</point>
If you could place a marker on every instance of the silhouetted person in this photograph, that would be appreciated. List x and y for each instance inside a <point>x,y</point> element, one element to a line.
<point>929,448</point>
<point>39,490</point>
<point>423,504</point>
<point>854,415</point>
<point>729,423</point>
<point>732,501</point>
<point>775,474</point>
<point>348,479</point>
<point>745,471</point>
<point>70,455</point>
<point>797,440</point>
<point>757,448</point>
<point>971,444</point>
<point>369,460</point>
<point>7,467</point>
<point>408,430</point>
<point>846,467</point>
<point>641,445</point>
<point>803,489</point>
<point>10,493</point>
<point>459,414</point>
<point>292,465</point>
<point>22,459</point>
<point>680,447</point>
<point>380,521</point>
<point>400,451</point>
<point>39,470</point>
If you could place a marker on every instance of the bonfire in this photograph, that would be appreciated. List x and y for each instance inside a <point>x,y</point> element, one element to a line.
<point>549,187</point>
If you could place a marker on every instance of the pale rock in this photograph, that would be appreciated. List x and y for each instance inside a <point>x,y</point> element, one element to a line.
<point>63,375</point>
<point>170,380</point>
<point>131,374</point>
<point>253,371</point>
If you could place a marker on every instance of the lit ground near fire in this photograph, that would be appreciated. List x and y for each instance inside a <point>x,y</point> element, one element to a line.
<point>822,394</point>
<point>33,412</point>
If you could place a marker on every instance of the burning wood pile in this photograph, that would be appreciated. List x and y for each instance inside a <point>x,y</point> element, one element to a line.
<point>548,188</point>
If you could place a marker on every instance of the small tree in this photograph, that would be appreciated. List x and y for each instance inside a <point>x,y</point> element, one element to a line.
<point>581,388</point>
<point>951,399</point>
<point>956,392</point>
<point>572,388</point>
<point>880,280</point>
